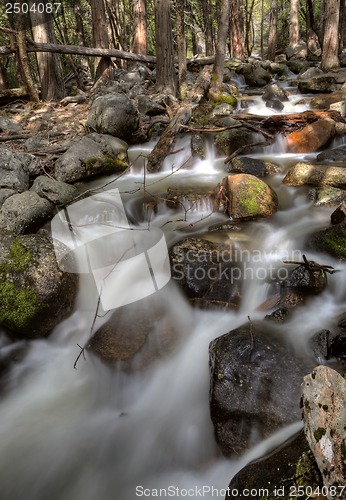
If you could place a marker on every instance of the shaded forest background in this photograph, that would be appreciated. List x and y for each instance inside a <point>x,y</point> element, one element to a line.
<point>169,30</point>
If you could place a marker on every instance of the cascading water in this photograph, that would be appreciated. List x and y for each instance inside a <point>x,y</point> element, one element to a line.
<point>98,432</point>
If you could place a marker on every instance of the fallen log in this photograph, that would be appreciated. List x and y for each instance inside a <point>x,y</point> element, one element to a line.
<point>96,52</point>
<point>285,124</point>
<point>182,116</point>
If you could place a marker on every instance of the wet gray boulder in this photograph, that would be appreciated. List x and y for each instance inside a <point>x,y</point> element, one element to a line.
<point>327,196</point>
<point>256,76</point>
<point>336,154</point>
<point>4,194</point>
<point>331,240</point>
<point>94,154</point>
<point>298,65</point>
<point>13,174</point>
<point>114,114</point>
<point>254,387</point>
<point>230,140</point>
<point>25,213</point>
<point>35,294</point>
<point>274,103</point>
<point>206,273</point>
<point>57,192</point>
<point>274,91</point>
<point>253,166</point>
<point>316,175</point>
<point>339,215</point>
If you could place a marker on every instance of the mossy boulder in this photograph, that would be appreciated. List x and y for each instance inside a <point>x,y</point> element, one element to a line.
<point>244,196</point>
<point>35,294</point>
<point>222,98</point>
<point>229,141</point>
<point>94,154</point>
<point>331,240</point>
<point>316,175</point>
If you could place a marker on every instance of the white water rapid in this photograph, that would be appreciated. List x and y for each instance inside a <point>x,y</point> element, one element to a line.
<point>99,433</point>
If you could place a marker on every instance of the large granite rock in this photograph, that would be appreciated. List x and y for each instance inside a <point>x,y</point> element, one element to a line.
<point>35,294</point>
<point>316,175</point>
<point>114,114</point>
<point>94,154</point>
<point>255,386</point>
<point>25,213</point>
<point>324,404</point>
<point>312,137</point>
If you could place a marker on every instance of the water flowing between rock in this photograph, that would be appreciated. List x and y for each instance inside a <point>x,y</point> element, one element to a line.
<point>98,432</point>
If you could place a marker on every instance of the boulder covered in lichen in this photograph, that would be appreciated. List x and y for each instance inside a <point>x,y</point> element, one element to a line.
<point>324,403</point>
<point>94,154</point>
<point>244,196</point>
<point>35,294</point>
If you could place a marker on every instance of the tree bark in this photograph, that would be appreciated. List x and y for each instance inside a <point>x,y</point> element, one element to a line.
<point>330,57</point>
<point>24,61</point>
<point>294,23</point>
<point>165,71</point>
<point>100,37</point>
<point>236,31</point>
<point>139,10</point>
<point>181,42</point>
<point>208,27</point>
<point>219,64</point>
<point>272,30</point>
<point>49,68</point>
<point>342,27</point>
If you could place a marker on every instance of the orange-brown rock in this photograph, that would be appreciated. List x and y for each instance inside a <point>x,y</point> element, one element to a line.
<point>312,137</point>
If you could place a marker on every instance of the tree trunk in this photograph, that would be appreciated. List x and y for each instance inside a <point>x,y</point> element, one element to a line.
<point>100,38</point>
<point>330,58</point>
<point>208,27</point>
<point>342,27</point>
<point>294,23</point>
<point>24,61</point>
<point>181,42</point>
<point>272,30</point>
<point>3,78</point>
<point>49,68</point>
<point>139,10</point>
<point>165,71</point>
<point>236,31</point>
<point>219,64</point>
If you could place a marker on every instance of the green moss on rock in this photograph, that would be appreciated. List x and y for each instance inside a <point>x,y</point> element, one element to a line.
<point>18,305</point>
<point>106,163</point>
<point>221,98</point>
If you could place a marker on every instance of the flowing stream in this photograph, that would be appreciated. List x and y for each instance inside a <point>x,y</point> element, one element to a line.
<point>97,432</point>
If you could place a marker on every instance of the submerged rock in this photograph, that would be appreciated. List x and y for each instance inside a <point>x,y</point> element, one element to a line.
<point>244,196</point>
<point>137,334</point>
<point>311,137</point>
<point>35,294</point>
<point>94,154</point>
<point>336,154</point>
<point>249,394</point>
<point>286,468</point>
<point>324,405</point>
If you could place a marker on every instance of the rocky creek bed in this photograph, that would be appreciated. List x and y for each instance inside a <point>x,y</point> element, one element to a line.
<point>256,249</point>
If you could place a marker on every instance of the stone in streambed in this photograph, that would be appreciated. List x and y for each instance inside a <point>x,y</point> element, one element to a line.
<point>252,166</point>
<point>331,240</point>
<point>318,84</point>
<point>312,137</point>
<point>324,405</point>
<point>244,196</point>
<point>229,141</point>
<point>325,100</point>
<point>58,193</point>
<point>249,394</point>
<point>292,464</point>
<point>316,175</point>
<point>339,215</point>
<point>336,154</point>
<point>327,196</point>
<point>36,295</point>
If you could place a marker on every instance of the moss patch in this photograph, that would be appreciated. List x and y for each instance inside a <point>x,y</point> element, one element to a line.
<point>319,433</point>
<point>251,199</point>
<point>335,243</point>
<point>17,259</point>
<point>221,98</point>
<point>18,305</point>
<point>106,163</point>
